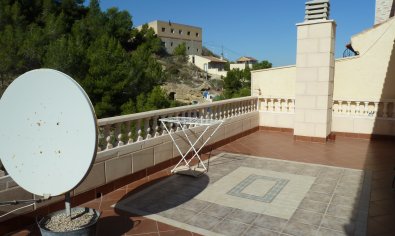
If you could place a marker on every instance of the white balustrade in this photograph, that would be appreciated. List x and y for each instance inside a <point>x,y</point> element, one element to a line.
<point>384,109</point>
<point>277,105</point>
<point>123,130</point>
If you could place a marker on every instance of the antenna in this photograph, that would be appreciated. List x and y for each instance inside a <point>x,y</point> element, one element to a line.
<point>48,133</point>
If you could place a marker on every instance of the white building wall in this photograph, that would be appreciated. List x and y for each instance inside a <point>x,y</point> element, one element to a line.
<point>369,77</point>
<point>240,66</point>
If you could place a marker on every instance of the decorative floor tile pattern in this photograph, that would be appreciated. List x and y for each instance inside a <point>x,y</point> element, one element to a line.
<point>245,195</point>
<point>275,188</point>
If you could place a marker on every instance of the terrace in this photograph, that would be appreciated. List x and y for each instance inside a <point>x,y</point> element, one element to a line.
<point>349,179</point>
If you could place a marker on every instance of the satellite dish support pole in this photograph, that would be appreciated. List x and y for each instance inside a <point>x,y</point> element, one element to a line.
<point>67,203</point>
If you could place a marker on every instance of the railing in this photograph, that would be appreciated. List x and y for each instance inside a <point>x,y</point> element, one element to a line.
<point>128,129</point>
<point>283,105</point>
<point>376,109</point>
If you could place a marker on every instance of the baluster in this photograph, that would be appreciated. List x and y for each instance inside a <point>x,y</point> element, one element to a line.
<point>100,138</point>
<point>163,128</point>
<point>273,104</point>
<point>118,134</point>
<point>129,130</point>
<point>107,134</point>
<point>366,108</point>
<point>230,105</point>
<point>376,108</point>
<point>357,108</point>
<point>201,113</point>
<point>340,107</point>
<point>264,103</point>
<point>293,105</point>
<point>277,105</point>
<point>348,109</point>
<point>139,131</point>
<point>385,109</point>
<point>288,105</point>
<point>109,144</point>
<point>281,106</point>
<point>130,139</point>
<point>155,126</point>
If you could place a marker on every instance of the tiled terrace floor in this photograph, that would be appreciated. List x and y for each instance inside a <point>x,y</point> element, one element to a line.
<point>375,156</point>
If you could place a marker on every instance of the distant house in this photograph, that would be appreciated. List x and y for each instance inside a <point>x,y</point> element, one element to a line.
<point>243,62</point>
<point>173,34</point>
<point>211,65</point>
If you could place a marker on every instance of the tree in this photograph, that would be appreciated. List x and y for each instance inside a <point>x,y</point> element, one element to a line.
<point>180,50</point>
<point>113,61</point>
<point>108,75</point>
<point>237,83</point>
<point>262,65</point>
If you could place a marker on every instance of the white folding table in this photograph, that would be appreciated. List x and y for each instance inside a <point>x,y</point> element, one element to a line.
<point>185,123</point>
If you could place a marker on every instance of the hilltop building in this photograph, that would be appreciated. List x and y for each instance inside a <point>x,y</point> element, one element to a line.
<point>209,64</point>
<point>243,62</point>
<point>173,34</point>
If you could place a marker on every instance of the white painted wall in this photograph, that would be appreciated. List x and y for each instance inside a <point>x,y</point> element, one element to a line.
<point>239,66</point>
<point>200,62</point>
<point>274,82</point>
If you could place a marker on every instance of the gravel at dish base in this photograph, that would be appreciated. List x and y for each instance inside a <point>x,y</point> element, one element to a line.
<point>62,223</point>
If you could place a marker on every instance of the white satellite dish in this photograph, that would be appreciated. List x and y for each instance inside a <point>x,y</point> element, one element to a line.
<point>48,134</point>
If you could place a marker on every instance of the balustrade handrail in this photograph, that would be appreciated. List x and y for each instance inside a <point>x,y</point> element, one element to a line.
<point>359,100</point>
<point>159,112</point>
<point>274,97</point>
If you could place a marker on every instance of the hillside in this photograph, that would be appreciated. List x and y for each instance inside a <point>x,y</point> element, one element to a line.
<point>188,81</point>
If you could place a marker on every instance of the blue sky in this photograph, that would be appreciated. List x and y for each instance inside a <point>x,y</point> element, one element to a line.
<point>259,28</point>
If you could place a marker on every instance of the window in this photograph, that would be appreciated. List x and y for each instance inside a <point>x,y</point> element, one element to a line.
<point>189,33</point>
<point>171,44</point>
<point>172,31</point>
<point>197,49</point>
<point>197,34</point>
<point>163,29</point>
<point>188,48</point>
<point>180,31</point>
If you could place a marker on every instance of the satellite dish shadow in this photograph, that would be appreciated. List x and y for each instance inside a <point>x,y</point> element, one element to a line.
<point>161,195</point>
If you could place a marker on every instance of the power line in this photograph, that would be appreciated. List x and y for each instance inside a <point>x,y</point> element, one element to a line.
<point>221,48</point>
